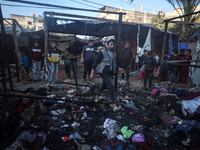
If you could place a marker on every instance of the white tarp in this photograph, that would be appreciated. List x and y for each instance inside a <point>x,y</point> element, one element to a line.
<point>147,44</point>
<point>196,71</point>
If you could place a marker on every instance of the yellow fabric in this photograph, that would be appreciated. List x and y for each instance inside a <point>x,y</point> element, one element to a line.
<point>54,59</point>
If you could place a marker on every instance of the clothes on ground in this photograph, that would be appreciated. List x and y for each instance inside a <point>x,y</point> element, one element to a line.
<point>36,54</point>
<point>127,133</point>
<point>54,55</point>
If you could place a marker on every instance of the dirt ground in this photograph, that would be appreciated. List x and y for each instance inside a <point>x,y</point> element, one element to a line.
<point>62,77</point>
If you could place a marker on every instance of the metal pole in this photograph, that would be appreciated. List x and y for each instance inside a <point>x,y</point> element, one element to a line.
<point>163,49</point>
<point>118,48</point>
<point>5,50</point>
<point>75,77</point>
<point>2,68</point>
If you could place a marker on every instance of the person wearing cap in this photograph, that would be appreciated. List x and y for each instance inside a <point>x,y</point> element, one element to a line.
<point>126,56</point>
<point>36,54</point>
<point>74,51</point>
<point>150,69</point>
<point>87,58</point>
<point>107,67</point>
<point>54,56</point>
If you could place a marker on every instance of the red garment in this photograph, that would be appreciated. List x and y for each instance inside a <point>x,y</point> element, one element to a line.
<point>142,74</point>
<point>185,70</point>
<point>36,54</point>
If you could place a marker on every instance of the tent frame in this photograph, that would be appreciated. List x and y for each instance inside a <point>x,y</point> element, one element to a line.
<point>46,32</point>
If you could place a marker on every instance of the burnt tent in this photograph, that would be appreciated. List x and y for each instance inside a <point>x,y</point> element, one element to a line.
<point>102,27</point>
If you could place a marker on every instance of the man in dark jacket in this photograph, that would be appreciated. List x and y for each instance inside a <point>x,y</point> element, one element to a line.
<point>126,56</point>
<point>74,51</point>
<point>173,67</point>
<point>150,69</point>
<point>107,66</point>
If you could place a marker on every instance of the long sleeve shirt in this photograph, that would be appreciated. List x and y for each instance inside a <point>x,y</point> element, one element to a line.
<point>36,54</point>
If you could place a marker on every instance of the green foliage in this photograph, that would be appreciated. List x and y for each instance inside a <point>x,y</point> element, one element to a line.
<point>158,21</point>
<point>188,7</point>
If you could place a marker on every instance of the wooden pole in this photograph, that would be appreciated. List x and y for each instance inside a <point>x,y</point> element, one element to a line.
<point>5,50</point>
<point>17,52</point>
<point>163,50</point>
<point>118,48</point>
<point>46,49</point>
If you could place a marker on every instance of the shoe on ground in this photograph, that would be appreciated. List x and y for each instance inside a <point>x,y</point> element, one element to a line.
<point>139,81</point>
<point>116,108</point>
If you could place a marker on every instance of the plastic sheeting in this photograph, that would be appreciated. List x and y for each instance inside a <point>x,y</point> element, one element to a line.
<point>190,106</point>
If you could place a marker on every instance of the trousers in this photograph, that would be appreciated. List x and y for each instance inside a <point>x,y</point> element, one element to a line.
<point>87,67</point>
<point>37,69</point>
<point>148,75</point>
<point>126,67</point>
<point>54,67</point>
<point>107,82</point>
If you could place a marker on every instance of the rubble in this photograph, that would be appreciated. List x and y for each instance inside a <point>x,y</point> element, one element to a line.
<point>64,118</point>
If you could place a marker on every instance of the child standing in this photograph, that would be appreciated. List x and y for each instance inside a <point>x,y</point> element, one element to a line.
<point>149,68</point>
<point>165,67</point>
<point>185,69</point>
<point>67,63</point>
<point>142,59</point>
<point>142,74</point>
<point>54,57</point>
<point>173,68</point>
<point>25,61</point>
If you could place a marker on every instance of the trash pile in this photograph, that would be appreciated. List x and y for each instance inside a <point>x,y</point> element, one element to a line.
<point>70,119</point>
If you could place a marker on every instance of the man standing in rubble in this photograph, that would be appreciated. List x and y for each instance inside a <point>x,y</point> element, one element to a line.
<point>87,57</point>
<point>107,66</point>
<point>36,57</point>
<point>74,51</point>
<point>126,56</point>
<point>54,57</point>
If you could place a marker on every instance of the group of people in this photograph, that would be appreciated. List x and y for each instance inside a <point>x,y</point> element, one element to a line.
<point>150,63</point>
<point>104,58</point>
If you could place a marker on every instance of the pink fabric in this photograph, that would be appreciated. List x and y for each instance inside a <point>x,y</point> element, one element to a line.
<point>155,90</point>
<point>141,75</point>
